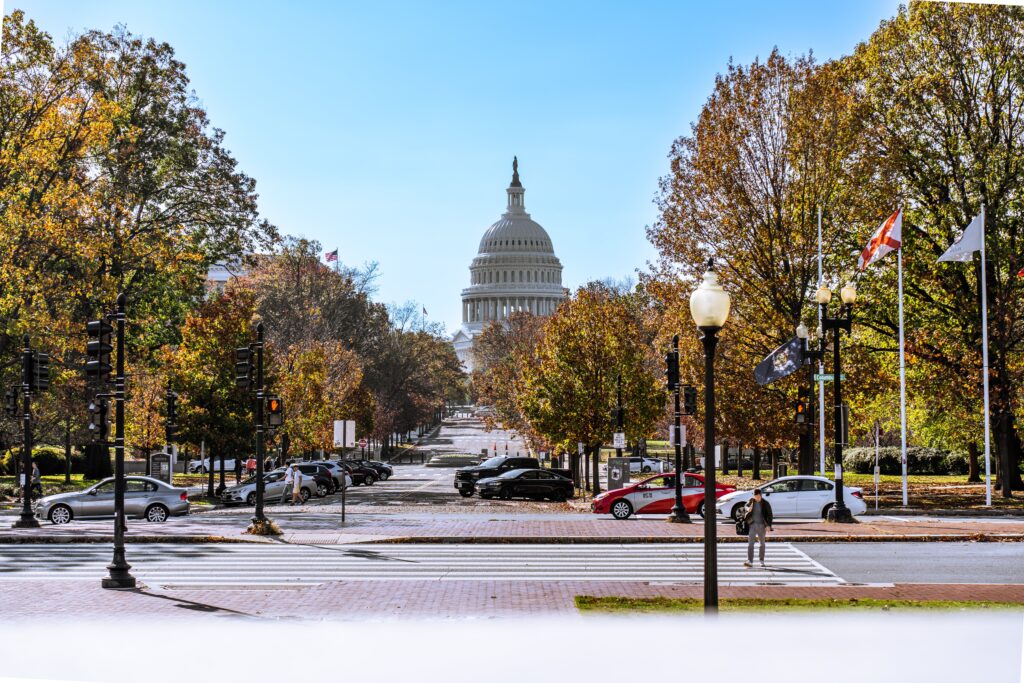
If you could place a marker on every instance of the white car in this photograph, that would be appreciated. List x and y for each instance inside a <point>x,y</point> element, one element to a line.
<point>273,487</point>
<point>203,466</point>
<point>638,464</point>
<point>799,496</point>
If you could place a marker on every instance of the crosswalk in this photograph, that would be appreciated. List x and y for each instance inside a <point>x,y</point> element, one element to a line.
<point>283,564</point>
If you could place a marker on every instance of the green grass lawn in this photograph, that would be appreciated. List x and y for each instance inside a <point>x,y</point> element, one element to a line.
<point>623,605</point>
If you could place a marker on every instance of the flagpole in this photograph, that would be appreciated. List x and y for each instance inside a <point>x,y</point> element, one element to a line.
<point>984,363</point>
<point>821,368</point>
<point>903,380</point>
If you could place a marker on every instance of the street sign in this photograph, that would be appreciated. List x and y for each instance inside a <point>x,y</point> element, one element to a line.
<point>619,440</point>
<point>829,377</point>
<point>363,443</point>
<point>344,433</point>
<point>618,473</point>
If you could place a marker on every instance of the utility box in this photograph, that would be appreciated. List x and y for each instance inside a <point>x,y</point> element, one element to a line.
<point>618,473</point>
<point>160,466</point>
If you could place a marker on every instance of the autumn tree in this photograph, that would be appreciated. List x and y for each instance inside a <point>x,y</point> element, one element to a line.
<point>569,394</point>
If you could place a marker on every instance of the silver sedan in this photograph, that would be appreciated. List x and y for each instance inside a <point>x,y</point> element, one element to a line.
<point>144,497</point>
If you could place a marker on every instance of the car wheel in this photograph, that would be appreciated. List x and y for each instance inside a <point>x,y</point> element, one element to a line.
<point>202,470</point>
<point>700,508</point>
<point>370,479</point>
<point>737,512</point>
<point>824,510</point>
<point>321,490</point>
<point>647,468</point>
<point>622,509</point>
<point>156,513</point>
<point>60,514</point>
<point>466,493</point>
<point>305,494</point>
<point>251,499</point>
<point>384,476</point>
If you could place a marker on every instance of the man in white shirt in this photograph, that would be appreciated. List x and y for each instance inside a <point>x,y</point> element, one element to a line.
<point>288,483</point>
<point>296,475</point>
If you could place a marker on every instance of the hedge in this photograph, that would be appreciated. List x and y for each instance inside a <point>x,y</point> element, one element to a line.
<point>919,461</point>
<point>50,460</point>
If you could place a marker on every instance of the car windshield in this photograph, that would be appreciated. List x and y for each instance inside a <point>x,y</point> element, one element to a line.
<point>494,462</point>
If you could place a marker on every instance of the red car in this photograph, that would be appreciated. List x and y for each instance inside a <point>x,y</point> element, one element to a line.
<point>655,495</point>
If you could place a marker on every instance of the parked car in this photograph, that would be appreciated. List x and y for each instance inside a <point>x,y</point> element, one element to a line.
<point>639,464</point>
<point>526,483</point>
<point>384,470</point>
<point>273,487</point>
<point>655,495</point>
<point>144,497</point>
<point>797,496</point>
<point>203,466</point>
<point>337,470</point>
<point>466,477</point>
<point>361,473</point>
<point>322,476</point>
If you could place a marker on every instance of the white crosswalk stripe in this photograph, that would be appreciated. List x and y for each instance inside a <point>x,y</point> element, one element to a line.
<point>233,564</point>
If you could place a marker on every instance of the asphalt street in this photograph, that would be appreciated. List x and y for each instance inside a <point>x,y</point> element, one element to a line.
<point>921,562</point>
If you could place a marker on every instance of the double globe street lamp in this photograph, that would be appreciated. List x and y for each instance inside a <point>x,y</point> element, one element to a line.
<point>709,307</point>
<point>843,321</point>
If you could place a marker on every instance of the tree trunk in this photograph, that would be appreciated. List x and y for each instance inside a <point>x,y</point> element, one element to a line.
<point>739,460</point>
<point>725,456</point>
<point>597,466</point>
<point>586,469</point>
<point>973,472</point>
<point>757,463</point>
<point>775,462</point>
<point>67,452</point>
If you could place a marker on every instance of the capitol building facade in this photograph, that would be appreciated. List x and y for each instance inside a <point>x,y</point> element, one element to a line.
<point>515,269</point>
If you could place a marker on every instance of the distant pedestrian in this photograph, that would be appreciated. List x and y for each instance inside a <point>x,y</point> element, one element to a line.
<point>296,485</point>
<point>289,480</point>
<point>758,516</point>
<point>250,466</point>
<point>36,485</point>
<point>268,465</point>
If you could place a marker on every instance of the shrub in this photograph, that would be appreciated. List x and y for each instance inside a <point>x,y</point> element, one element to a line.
<point>919,461</point>
<point>50,460</point>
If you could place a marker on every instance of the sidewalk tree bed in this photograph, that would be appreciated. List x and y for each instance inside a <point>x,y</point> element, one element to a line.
<point>623,605</point>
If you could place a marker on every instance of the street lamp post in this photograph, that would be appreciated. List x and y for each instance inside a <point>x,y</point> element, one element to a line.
<point>679,513</point>
<point>810,356</point>
<point>848,294</point>
<point>709,307</point>
<point>28,517</point>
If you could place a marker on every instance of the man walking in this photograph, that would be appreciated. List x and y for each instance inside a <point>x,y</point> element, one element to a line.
<point>296,485</point>
<point>758,516</point>
<point>289,481</point>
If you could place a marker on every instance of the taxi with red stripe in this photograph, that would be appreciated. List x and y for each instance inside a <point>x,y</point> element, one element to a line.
<point>655,495</point>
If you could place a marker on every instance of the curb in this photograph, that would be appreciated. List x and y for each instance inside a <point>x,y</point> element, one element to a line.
<point>8,539</point>
<point>956,512</point>
<point>637,540</point>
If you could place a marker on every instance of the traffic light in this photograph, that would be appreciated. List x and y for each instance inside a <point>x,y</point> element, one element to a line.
<point>11,402</point>
<point>689,400</point>
<point>275,411</point>
<point>244,367</point>
<point>39,378</point>
<point>801,415</point>
<point>97,350</point>
<point>99,425</point>
<point>672,370</point>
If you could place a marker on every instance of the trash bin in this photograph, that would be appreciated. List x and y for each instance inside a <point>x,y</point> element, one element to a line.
<point>782,470</point>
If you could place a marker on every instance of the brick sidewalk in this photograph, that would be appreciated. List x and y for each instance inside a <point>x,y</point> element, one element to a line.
<point>356,600</point>
<point>314,525</point>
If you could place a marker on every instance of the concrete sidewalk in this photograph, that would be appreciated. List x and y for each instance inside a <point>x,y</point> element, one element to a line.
<point>313,525</point>
<point>363,600</point>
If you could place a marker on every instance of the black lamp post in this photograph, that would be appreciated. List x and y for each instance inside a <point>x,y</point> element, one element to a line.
<point>839,512</point>
<point>810,357</point>
<point>709,307</point>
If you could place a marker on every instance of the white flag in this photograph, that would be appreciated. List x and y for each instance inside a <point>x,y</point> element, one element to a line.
<point>971,241</point>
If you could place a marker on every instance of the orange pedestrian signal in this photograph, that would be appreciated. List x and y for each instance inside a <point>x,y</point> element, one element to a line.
<point>275,411</point>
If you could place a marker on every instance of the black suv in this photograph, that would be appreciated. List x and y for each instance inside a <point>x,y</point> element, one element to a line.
<point>466,477</point>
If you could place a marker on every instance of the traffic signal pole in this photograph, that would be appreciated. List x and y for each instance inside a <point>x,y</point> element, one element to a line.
<point>679,513</point>
<point>27,520</point>
<point>120,576</point>
<point>259,517</point>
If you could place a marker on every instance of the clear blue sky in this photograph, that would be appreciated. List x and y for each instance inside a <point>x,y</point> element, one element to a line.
<point>388,128</point>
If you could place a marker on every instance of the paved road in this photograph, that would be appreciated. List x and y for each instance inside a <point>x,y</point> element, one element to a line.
<point>921,562</point>
<point>467,435</point>
<point>223,565</point>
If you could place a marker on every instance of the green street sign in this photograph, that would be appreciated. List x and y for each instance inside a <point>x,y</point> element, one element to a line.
<point>829,377</point>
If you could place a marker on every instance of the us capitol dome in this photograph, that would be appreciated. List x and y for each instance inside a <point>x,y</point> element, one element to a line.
<point>515,269</point>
